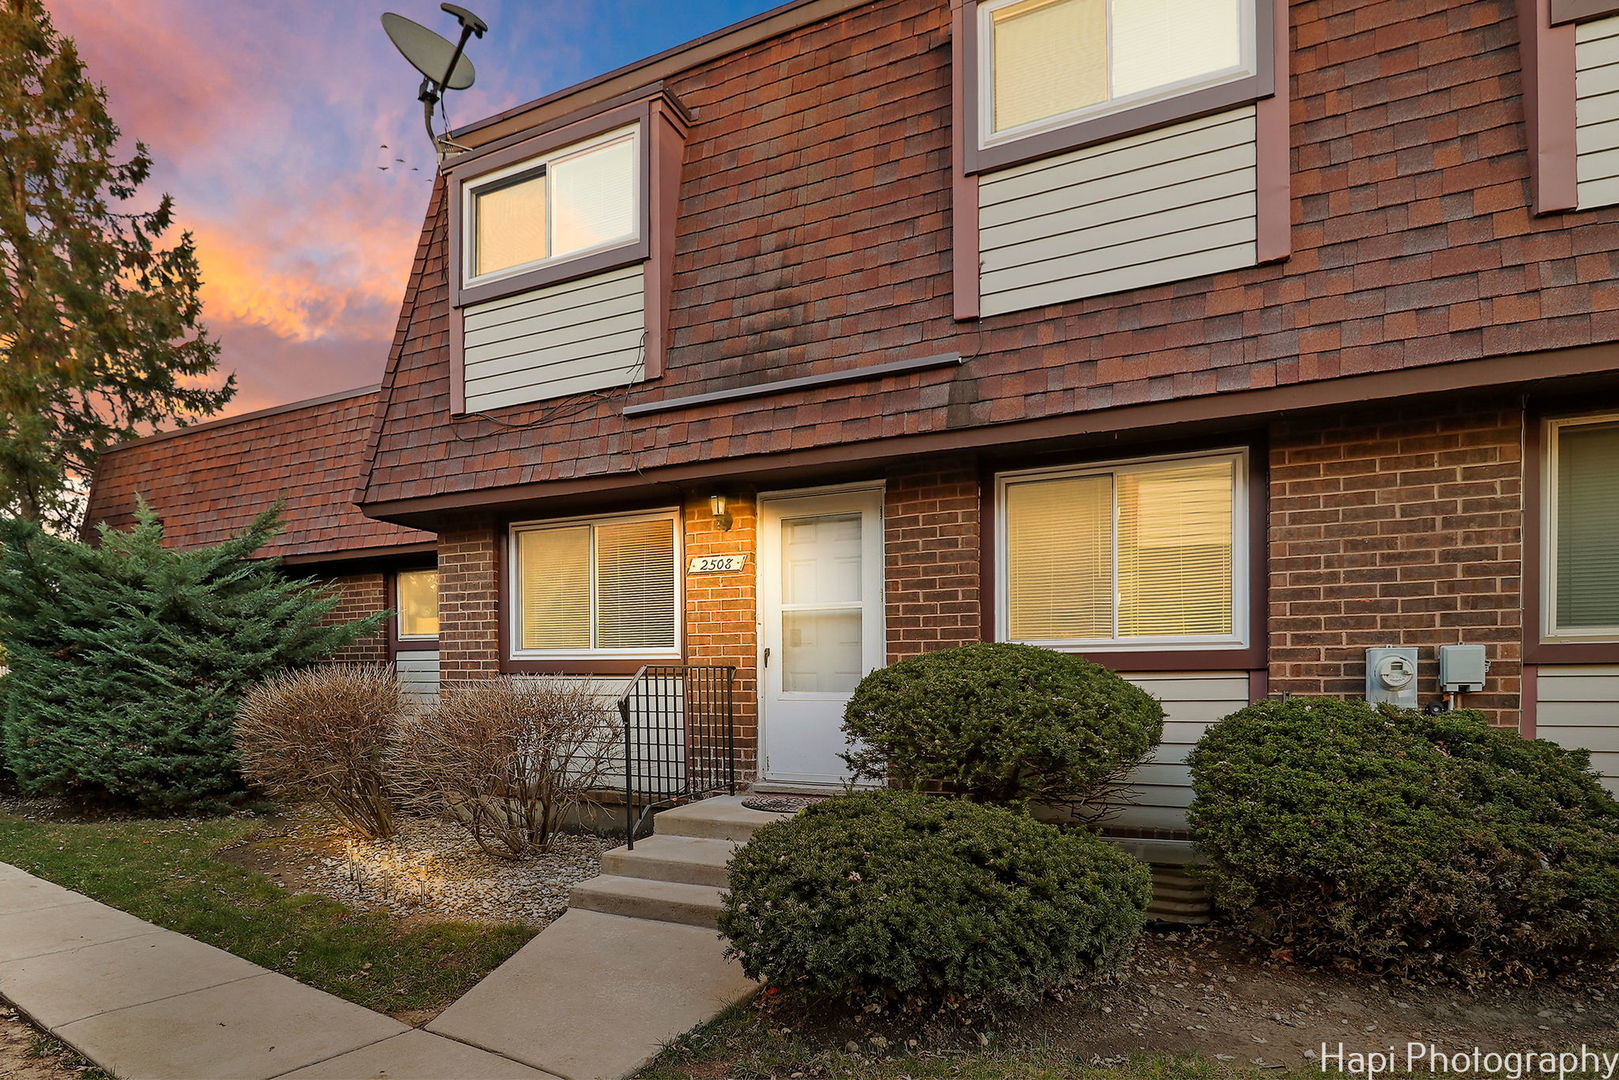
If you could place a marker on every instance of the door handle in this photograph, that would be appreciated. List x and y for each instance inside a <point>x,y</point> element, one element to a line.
<point>767,656</point>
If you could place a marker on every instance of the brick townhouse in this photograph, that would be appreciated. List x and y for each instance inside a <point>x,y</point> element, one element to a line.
<point>1218,341</point>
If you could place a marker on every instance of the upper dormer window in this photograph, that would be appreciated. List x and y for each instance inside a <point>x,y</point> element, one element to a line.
<point>569,202</point>
<point>1051,63</point>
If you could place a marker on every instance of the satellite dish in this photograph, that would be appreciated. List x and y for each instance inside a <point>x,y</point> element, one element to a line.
<point>429,53</point>
<point>443,66</point>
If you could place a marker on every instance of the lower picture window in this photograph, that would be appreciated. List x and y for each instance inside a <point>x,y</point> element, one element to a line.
<point>416,598</point>
<point>607,587</point>
<point>1144,554</point>
<point>1582,548</point>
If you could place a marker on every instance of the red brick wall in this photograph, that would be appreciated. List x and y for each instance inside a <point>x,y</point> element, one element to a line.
<point>1397,526</point>
<point>468,600</point>
<point>721,610</point>
<point>931,511</point>
<point>360,595</point>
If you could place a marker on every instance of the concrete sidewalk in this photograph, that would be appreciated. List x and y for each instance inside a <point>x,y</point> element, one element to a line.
<point>145,1003</point>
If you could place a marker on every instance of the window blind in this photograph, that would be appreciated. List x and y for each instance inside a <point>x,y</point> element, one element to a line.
<point>593,197</point>
<point>510,223</point>
<point>416,597</point>
<point>553,569</point>
<point>1059,553</point>
<point>1050,57</point>
<point>1174,551</point>
<point>635,585</point>
<point>1156,42</point>
<point>1587,541</point>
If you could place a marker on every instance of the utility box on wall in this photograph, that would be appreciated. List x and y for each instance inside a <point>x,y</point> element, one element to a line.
<point>1462,668</point>
<point>1391,676</point>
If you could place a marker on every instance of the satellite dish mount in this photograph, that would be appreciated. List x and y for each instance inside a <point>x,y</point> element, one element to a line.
<point>444,66</point>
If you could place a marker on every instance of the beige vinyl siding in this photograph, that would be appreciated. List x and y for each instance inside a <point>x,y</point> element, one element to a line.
<point>418,674</point>
<point>1161,206</point>
<point>562,339</point>
<point>657,758</point>
<point>1578,707</point>
<point>1160,790</point>
<point>1596,94</point>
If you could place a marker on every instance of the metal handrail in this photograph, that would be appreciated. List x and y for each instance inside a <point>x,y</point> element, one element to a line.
<point>679,737</point>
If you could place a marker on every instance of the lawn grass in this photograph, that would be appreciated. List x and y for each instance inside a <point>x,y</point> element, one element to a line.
<point>167,872</point>
<point>741,1045</point>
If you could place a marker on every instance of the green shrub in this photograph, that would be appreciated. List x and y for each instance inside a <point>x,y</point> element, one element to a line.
<point>917,899</point>
<point>128,658</point>
<point>998,723</point>
<point>1404,841</point>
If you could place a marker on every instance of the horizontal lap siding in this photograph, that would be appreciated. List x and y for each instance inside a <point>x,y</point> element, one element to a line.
<point>1161,206</point>
<point>1596,90</point>
<point>563,339</point>
<point>1160,790</point>
<point>418,674</point>
<point>1578,707</point>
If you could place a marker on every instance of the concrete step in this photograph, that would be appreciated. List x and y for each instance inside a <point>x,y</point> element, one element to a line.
<point>656,901</point>
<point>688,860</point>
<point>721,818</point>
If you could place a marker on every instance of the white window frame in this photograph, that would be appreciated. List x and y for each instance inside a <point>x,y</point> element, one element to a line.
<point>1550,632</point>
<point>542,164</point>
<point>514,585</point>
<point>1241,556</point>
<point>985,75</point>
<point>399,608</point>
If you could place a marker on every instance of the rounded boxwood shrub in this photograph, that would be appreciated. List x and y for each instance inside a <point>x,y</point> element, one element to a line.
<point>1000,723</point>
<point>914,900</point>
<point>1404,841</point>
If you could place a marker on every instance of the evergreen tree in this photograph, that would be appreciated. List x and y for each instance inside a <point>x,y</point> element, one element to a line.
<point>100,325</point>
<point>128,658</point>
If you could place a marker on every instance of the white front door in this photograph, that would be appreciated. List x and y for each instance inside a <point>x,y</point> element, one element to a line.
<point>821,624</point>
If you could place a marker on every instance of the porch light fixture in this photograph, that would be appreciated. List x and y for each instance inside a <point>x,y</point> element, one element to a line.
<point>722,516</point>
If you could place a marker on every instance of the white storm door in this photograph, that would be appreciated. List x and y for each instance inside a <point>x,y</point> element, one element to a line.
<point>821,632</point>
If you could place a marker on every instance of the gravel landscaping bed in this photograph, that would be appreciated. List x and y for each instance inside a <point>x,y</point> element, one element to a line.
<point>428,869</point>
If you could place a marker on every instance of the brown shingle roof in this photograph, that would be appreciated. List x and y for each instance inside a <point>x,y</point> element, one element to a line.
<point>208,481</point>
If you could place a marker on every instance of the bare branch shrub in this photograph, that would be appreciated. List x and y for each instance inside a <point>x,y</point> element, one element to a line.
<point>321,733</point>
<point>507,758</point>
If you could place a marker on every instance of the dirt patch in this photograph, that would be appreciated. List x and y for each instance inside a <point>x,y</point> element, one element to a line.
<point>26,1053</point>
<point>1206,992</point>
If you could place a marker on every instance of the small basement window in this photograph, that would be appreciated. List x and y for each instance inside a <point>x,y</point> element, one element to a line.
<point>1048,64</point>
<point>416,598</point>
<point>606,587</point>
<point>1146,555</point>
<point>574,200</point>
<point>1582,529</point>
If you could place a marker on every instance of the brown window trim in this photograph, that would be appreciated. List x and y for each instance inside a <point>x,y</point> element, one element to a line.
<point>1251,658</point>
<point>390,603</point>
<point>1568,11</point>
<point>1116,125</point>
<point>1536,651</point>
<point>664,125</point>
<point>1548,106</point>
<point>586,665</point>
<point>1270,89</point>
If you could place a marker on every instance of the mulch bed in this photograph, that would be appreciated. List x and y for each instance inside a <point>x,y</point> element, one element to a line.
<point>430,869</point>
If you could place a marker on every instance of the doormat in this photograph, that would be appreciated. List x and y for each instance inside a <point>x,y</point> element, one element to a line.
<point>777,804</point>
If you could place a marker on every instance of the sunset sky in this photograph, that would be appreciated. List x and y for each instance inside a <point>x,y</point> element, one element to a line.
<point>268,121</point>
